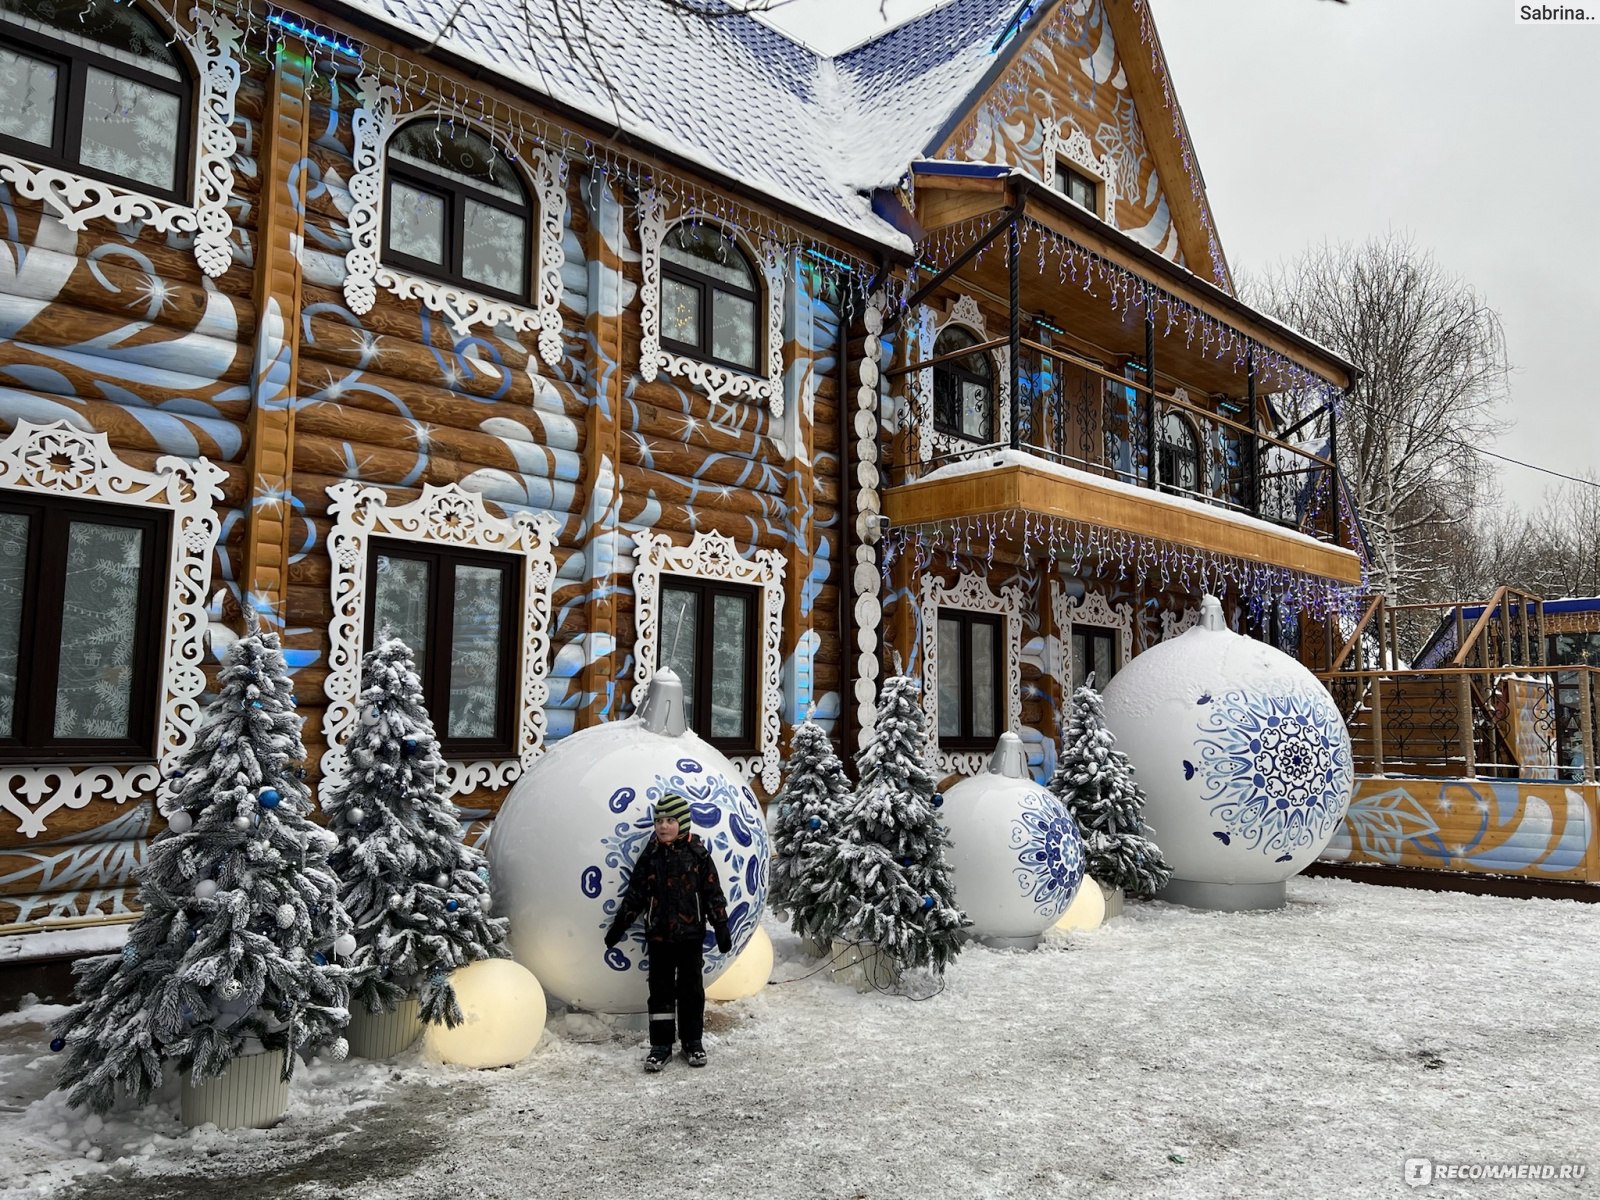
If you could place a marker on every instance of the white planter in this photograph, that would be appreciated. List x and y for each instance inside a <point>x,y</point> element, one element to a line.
<point>864,966</point>
<point>1113,902</point>
<point>250,1094</point>
<point>383,1035</point>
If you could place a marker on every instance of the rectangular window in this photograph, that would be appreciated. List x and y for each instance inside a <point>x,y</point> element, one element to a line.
<point>1077,187</point>
<point>1094,650</point>
<point>708,636</point>
<point>970,678</point>
<point>82,587</point>
<point>458,611</point>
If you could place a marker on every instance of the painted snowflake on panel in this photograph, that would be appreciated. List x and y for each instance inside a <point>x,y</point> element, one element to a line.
<point>1275,769</point>
<point>1049,853</point>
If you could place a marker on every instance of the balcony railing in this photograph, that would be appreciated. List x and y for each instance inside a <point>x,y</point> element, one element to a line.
<point>1073,412</point>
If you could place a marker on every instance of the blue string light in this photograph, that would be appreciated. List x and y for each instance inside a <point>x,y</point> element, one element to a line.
<point>312,35</point>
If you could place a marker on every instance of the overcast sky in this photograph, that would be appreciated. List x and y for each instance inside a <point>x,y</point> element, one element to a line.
<point>1446,119</point>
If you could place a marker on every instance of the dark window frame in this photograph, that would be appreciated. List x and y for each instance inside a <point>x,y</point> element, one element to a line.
<point>455,195</point>
<point>66,140</point>
<point>1083,664</point>
<point>435,671</point>
<point>962,375</point>
<point>1068,174</point>
<point>706,286</point>
<point>706,591</point>
<point>39,638</point>
<point>966,739</point>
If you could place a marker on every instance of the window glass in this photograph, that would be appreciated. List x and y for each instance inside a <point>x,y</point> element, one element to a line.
<point>100,608</point>
<point>493,246</point>
<point>460,154</point>
<point>118,31</point>
<point>680,311</point>
<point>416,222</point>
<point>477,630</point>
<point>29,84</point>
<point>400,603</point>
<point>733,333</point>
<point>975,410</point>
<point>13,577</point>
<point>1093,651</point>
<point>708,251</point>
<point>950,677</point>
<point>680,637</point>
<point>963,395</point>
<point>983,680</point>
<point>128,129</point>
<point>730,628</point>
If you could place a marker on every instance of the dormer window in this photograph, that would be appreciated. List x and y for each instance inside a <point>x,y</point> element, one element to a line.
<point>1077,187</point>
<point>456,210</point>
<point>92,87</point>
<point>709,297</point>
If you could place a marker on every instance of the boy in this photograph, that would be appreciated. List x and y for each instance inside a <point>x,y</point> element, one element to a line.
<point>675,885</point>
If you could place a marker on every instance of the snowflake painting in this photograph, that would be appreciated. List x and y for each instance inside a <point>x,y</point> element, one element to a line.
<point>1049,853</point>
<point>1276,769</point>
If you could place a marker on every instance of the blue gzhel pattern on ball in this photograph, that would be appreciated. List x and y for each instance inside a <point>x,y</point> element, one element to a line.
<point>1275,769</point>
<point>1049,853</point>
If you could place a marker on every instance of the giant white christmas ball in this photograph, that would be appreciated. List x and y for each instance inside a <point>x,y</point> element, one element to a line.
<point>1242,754</point>
<point>502,1016</point>
<point>748,974</point>
<point>572,828</point>
<point>1016,856</point>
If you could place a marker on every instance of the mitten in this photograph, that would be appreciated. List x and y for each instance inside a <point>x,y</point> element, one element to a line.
<point>614,935</point>
<point>724,942</point>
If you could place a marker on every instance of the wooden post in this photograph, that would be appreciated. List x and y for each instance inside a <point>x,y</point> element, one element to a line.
<point>1377,722</point>
<point>1013,253</point>
<point>1586,722</point>
<point>1149,389</point>
<point>1469,746</point>
<point>1255,441</point>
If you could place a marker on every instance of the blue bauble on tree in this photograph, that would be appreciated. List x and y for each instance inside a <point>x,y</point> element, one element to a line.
<point>268,797</point>
<point>814,823</point>
<point>58,1044</point>
<point>451,905</point>
<point>409,745</point>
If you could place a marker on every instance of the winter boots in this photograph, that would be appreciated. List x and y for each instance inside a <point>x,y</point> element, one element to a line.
<point>658,1057</point>
<point>695,1055</point>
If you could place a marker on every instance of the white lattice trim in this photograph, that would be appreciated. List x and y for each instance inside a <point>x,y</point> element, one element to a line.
<point>213,50</point>
<point>970,593</point>
<point>964,312</point>
<point>66,461</point>
<point>717,383</point>
<point>449,516</point>
<point>1172,624</point>
<point>375,121</point>
<point>1093,609</point>
<point>713,556</point>
<point>1077,149</point>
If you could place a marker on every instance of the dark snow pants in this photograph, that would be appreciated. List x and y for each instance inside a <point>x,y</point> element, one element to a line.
<point>676,983</point>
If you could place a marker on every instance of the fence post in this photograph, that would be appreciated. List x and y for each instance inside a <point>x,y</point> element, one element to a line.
<point>1377,725</point>
<point>1469,741</point>
<point>1586,724</point>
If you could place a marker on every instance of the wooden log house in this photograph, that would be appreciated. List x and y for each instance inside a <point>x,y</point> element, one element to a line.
<point>568,353</point>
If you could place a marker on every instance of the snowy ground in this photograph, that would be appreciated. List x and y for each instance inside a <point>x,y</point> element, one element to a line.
<point>1307,1052</point>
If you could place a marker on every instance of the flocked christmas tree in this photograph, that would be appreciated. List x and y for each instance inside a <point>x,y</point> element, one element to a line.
<point>418,894</point>
<point>884,879</point>
<point>232,952</point>
<point>1096,781</point>
<point>810,806</point>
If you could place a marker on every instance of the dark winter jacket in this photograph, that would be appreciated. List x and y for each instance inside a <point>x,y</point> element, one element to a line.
<point>677,889</point>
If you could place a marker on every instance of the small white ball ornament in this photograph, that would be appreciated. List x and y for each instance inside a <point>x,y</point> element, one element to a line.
<point>285,915</point>
<point>344,945</point>
<point>441,881</point>
<point>357,815</point>
<point>1016,856</point>
<point>1243,757</point>
<point>205,889</point>
<point>242,824</point>
<point>180,822</point>
<point>502,1016</point>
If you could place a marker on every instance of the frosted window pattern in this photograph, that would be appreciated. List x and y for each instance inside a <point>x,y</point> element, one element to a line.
<point>730,635</point>
<point>680,311</point>
<point>478,628</point>
<point>680,637</point>
<point>416,222</point>
<point>400,603</point>
<point>127,129</point>
<point>950,677</point>
<point>984,661</point>
<point>733,331</point>
<point>13,579</point>
<point>30,87</point>
<point>963,392</point>
<point>94,685</point>
<point>494,247</point>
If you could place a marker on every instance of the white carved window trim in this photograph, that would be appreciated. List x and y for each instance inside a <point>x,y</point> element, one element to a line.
<point>449,516</point>
<point>717,382</point>
<point>930,324</point>
<point>1094,609</point>
<point>374,122</point>
<point>66,461</point>
<point>714,556</point>
<point>1172,624</point>
<point>970,593</point>
<point>213,52</point>
<point>1078,150</point>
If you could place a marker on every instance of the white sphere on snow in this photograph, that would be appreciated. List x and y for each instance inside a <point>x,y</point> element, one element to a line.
<point>1242,755</point>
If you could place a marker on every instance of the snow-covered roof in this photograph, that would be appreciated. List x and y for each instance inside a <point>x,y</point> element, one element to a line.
<point>729,93</point>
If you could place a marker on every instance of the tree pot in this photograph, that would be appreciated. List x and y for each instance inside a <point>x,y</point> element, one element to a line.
<point>1113,897</point>
<point>864,965</point>
<point>384,1034</point>
<point>250,1094</point>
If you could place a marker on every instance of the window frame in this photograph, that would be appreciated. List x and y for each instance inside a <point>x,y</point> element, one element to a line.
<point>66,135</point>
<point>1168,451</point>
<point>706,590</point>
<point>39,636</point>
<point>455,195</point>
<point>434,671</point>
<point>963,375</point>
<point>1083,665</point>
<point>967,739</point>
<point>1068,173</point>
<point>706,286</point>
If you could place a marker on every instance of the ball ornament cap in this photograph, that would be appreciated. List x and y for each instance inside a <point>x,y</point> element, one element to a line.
<point>1010,757</point>
<point>663,711</point>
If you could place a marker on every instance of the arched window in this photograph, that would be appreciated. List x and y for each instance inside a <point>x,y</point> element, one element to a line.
<point>963,388</point>
<point>455,209</point>
<point>92,87</point>
<point>709,297</point>
<point>1179,462</point>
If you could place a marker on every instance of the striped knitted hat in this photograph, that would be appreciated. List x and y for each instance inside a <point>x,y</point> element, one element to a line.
<point>675,807</point>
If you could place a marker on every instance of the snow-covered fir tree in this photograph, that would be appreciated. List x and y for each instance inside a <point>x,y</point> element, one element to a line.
<point>232,952</point>
<point>1096,781</point>
<point>418,894</point>
<point>811,806</point>
<point>885,878</point>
